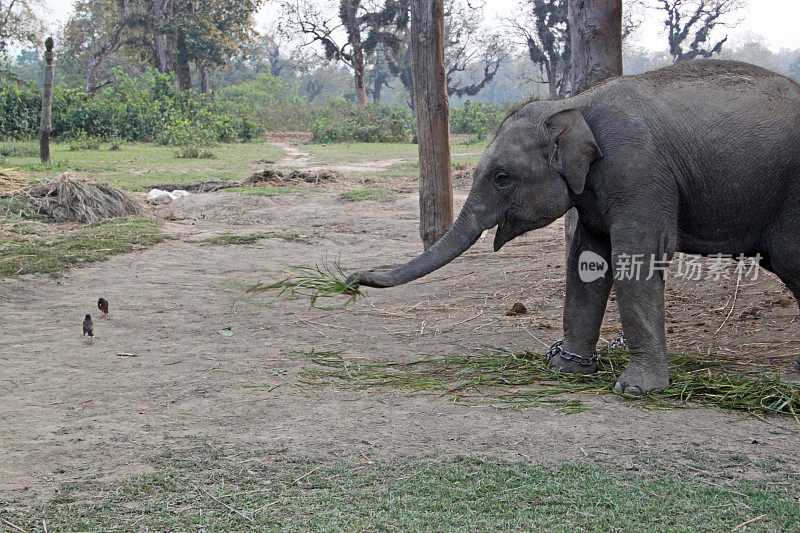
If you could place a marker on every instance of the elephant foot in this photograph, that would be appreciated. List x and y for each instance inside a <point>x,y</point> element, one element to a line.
<point>561,360</point>
<point>640,379</point>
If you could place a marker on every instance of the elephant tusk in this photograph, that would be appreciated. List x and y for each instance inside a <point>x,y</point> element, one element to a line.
<point>483,235</point>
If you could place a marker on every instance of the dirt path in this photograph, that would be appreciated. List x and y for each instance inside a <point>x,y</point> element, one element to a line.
<point>296,157</point>
<point>72,409</point>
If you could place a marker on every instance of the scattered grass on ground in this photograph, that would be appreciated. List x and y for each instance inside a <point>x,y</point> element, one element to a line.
<point>322,283</point>
<point>224,489</point>
<point>28,247</point>
<point>138,166</point>
<point>358,195</point>
<point>225,240</point>
<point>266,191</point>
<point>523,379</point>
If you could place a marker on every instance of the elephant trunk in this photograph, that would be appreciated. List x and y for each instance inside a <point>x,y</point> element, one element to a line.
<point>459,238</point>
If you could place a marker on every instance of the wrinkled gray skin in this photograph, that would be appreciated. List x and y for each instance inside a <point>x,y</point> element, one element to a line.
<point>702,157</point>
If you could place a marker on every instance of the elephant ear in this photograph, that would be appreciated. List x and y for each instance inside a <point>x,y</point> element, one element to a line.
<point>572,147</point>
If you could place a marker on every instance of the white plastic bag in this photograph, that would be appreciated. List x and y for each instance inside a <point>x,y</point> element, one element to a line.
<point>157,196</point>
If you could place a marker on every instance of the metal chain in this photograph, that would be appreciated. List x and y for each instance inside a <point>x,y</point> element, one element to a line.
<point>557,349</point>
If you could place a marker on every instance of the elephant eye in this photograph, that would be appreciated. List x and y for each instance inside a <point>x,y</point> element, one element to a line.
<point>503,180</point>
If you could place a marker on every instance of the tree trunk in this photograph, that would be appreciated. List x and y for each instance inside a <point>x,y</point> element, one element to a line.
<point>202,74</point>
<point>182,64</point>
<point>596,30</point>
<point>433,118</point>
<point>348,13</point>
<point>358,78</point>
<point>47,103</point>
<point>160,37</point>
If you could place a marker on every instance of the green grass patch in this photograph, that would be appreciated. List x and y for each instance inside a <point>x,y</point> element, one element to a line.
<point>266,191</point>
<point>138,166</point>
<point>524,379</point>
<point>28,247</point>
<point>227,240</point>
<point>377,195</point>
<point>221,489</point>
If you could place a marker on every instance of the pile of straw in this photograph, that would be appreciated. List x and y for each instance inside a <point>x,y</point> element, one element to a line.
<point>69,198</point>
<point>11,182</point>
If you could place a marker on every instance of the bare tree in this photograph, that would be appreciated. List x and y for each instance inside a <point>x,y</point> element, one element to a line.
<point>689,25</point>
<point>473,55</point>
<point>542,26</point>
<point>322,27</point>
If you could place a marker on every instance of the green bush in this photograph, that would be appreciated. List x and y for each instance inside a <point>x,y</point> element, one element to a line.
<point>268,100</point>
<point>379,124</point>
<point>143,108</point>
<point>477,118</point>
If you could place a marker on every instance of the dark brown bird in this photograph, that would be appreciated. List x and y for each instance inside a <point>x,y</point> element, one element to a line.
<point>88,326</point>
<point>102,305</point>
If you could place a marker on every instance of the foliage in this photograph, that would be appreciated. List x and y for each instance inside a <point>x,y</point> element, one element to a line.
<point>268,100</point>
<point>378,124</point>
<point>143,108</point>
<point>477,118</point>
<point>19,23</point>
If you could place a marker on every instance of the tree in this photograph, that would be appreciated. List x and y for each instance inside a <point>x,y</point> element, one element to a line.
<point>467,47</point>
<point>19,24</point>
<point>320,26</point>
<point>689,25</point>
<point>433,118</point>
<point>168,34</point>
<point>596,34</point>
<point>542,26</point>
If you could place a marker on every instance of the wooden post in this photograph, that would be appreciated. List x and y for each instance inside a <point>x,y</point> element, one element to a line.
<point>432,111</point>
<point>596,30</point>
<point>47,103</point>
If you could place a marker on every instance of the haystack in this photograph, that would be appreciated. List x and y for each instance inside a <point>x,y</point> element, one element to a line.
<point>69,198</point>
<point>11,182</point>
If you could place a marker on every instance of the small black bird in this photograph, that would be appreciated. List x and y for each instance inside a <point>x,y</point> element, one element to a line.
<point>102,305</point>
<point>88,326</point>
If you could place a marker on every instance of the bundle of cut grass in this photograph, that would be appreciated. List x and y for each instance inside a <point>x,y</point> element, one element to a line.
<point>524,379</point>
<point>11,182</point>
<point>318,283</point>
<point>69,198</point>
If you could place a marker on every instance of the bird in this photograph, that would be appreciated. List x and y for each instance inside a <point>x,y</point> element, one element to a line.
<point>88,326</point>
<point>102,305</point>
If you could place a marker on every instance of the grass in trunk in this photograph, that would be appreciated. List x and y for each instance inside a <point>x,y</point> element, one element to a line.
<point>524,379</point>
<point>319,284</point>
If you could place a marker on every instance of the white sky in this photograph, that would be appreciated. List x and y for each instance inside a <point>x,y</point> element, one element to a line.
<point>775,20</point>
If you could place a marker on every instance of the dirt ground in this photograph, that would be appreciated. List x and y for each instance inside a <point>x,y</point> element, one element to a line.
<point>70,408</point>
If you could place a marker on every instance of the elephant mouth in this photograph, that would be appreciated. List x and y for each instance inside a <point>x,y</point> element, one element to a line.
<point>510,227</point>
<point>504,233</point>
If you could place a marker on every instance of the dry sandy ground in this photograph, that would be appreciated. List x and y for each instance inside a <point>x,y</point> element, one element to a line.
<point>71,408</point>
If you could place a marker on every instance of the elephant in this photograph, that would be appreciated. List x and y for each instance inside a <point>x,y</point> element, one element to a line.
<point>701,157</point>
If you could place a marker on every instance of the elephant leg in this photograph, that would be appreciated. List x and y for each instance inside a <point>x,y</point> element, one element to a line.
<point>638,253</point>
<point>586,301</point>
<point>784,260</point>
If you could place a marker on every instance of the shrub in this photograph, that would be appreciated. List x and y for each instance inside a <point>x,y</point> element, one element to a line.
<point>477,118</point>
<point>144,108</point>
<point>375,125</point>
<point>268,100</point>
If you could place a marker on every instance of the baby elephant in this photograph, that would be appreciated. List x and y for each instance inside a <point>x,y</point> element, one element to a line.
<point>701,157</point>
